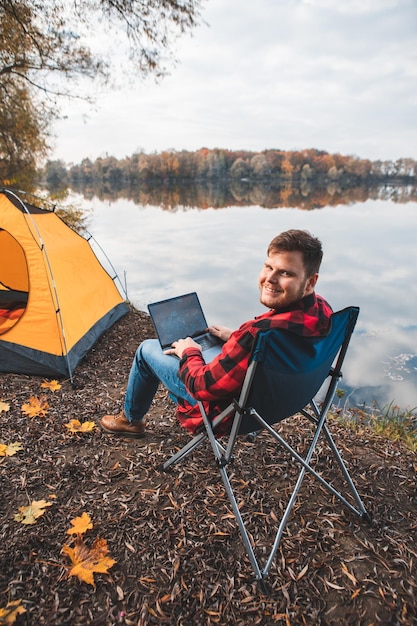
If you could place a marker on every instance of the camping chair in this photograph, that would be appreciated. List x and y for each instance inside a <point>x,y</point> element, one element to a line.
<point>285,373</point>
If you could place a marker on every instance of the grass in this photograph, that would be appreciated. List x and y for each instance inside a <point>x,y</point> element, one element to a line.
<point>390,421</point>
<point>396,424</point>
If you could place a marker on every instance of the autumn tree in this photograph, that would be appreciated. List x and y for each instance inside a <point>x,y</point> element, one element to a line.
<point>312,167</point>
<point>23,131</point>
<point>260,166</point>
<point>49,47</point>
<point>239,169</point>
<point>287,167</point>
<point>56,175</point>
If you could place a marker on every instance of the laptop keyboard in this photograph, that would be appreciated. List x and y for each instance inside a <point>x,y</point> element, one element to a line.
<point>207,341</point>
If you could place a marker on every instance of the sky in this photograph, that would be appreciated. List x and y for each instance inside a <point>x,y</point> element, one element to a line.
<point>336,75</point>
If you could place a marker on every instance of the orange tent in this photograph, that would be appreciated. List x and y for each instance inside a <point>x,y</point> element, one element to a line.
<point>56,299</point>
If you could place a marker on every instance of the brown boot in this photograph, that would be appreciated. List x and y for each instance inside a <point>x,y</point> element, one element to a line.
<point>120,425</point>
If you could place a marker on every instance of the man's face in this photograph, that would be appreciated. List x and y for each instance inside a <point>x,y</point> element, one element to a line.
<point>283,280</point>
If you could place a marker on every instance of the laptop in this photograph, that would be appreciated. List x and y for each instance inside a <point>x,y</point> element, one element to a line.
<point>180,317</point>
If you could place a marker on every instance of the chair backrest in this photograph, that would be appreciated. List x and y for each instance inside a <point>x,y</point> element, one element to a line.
<point>288,370</point>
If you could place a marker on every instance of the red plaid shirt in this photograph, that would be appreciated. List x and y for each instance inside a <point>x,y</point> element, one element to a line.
<point>218,382</point>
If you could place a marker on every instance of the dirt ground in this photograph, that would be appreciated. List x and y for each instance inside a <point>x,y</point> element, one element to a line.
<point>179,556</point>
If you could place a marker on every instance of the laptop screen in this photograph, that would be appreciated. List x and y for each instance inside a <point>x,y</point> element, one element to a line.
<point>177,318</point>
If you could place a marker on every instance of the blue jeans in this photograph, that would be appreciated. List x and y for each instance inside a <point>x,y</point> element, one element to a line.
<point>151,366</point>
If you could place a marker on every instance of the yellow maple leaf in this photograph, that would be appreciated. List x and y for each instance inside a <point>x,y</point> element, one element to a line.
<point>9,614</point>
<point>80,524</point>
<point>87,561</point>
<point>52,385</point>
<point>29,514</point>
<point>10,449</point>
<point>4,406</point>
<point>35,407</point>
<point>75,426</point>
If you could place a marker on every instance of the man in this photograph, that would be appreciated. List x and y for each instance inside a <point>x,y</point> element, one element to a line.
<point>286,283</point>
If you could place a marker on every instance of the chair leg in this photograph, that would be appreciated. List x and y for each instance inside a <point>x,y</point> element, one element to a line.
<point>364,513</point>
<point>241,525</point>
<point>222,462</point>
<point>283,522</point>
<point>305,462</point>
<point>185,451</point>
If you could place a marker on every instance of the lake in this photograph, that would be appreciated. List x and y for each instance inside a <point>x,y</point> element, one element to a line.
<point>370,260</point>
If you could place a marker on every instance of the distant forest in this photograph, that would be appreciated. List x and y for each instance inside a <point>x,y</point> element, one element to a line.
<point>217,178</point>
<point>314,166</point>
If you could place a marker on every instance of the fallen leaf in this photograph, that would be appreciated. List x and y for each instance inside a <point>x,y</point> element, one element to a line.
<point>80,525</point>
<point>146,579</point>
<point>303,572</point>
<point>87,561</point>
<point>4,406</point>
<point>29,514</point>
<point>52,385</point>
<point>248,599</point>
<point>333,585</point>
<point>210,612</point>
<point>35,407</point>
<point>9,614</point>
<point>166,598</point>
<point>10,449</point>
<point>75,426</point>
<point>349,574</point>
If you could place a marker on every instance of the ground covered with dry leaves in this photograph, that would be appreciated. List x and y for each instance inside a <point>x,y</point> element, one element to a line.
<point>179,557</point>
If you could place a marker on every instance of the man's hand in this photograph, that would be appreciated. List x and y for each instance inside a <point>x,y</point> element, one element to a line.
<point>222,332</point>
<point>179,346</point>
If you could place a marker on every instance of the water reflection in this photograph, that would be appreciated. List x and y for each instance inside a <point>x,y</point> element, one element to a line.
<point>222,194</point>
<point>370,260</point>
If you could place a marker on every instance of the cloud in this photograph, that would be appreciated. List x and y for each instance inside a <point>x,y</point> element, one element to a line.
<point>289,74</point>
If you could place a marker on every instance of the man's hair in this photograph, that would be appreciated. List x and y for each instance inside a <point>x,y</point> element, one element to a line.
<point>301,241</point>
